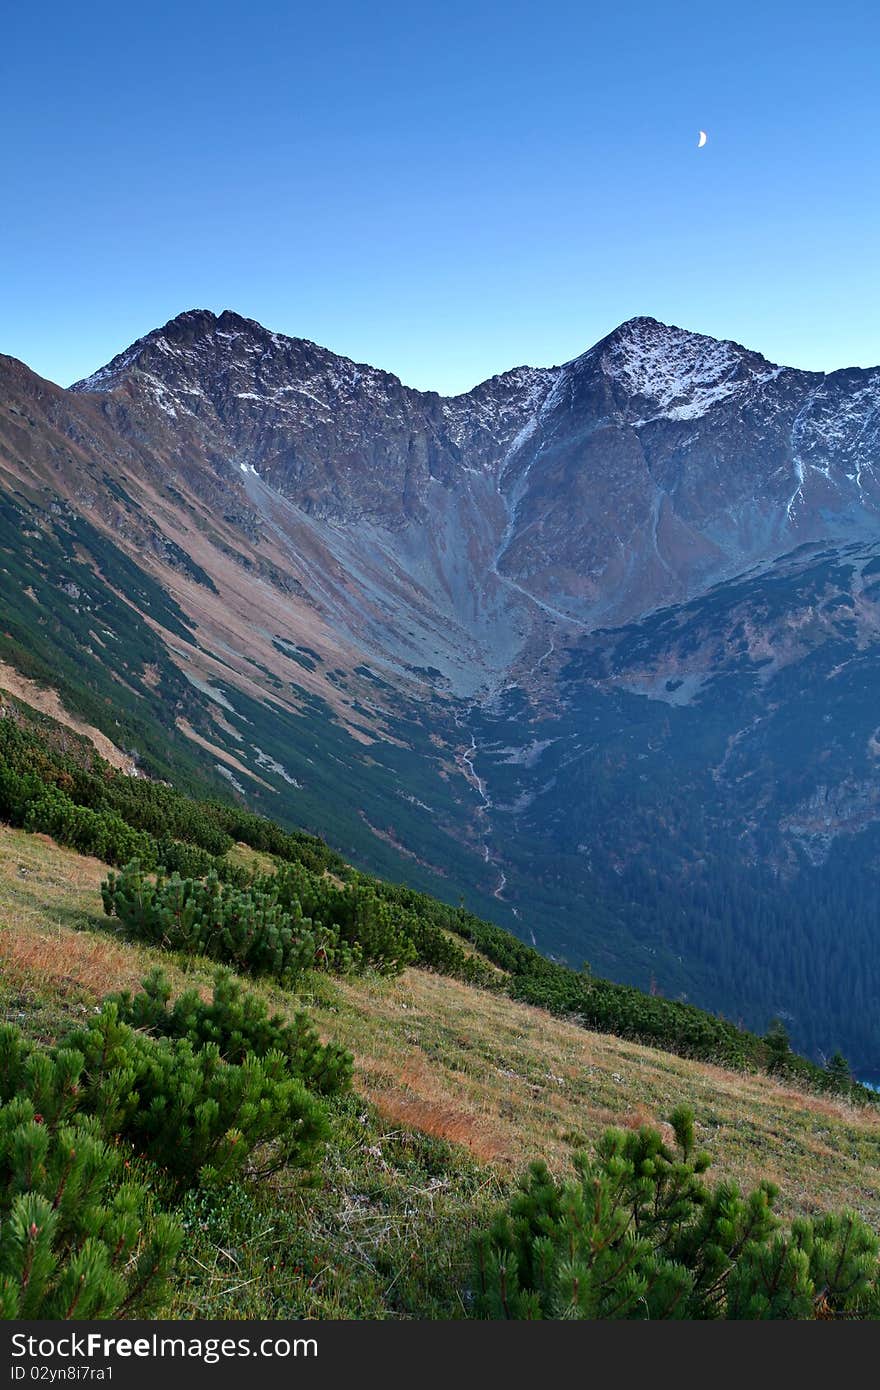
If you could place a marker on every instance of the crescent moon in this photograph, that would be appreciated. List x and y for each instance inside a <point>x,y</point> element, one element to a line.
<point>702,140</point>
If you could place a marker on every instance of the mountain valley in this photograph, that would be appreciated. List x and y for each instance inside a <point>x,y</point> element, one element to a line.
<point>592,647</point>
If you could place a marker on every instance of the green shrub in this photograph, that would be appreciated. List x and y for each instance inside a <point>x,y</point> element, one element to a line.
<point>197,1117</point>
<point>76,1240</point>
<point>17,791</point>
<point>292,846</point>
<point>248,929</point>
<point>35,805</point>
<point>372,929</point>
<point>279,925</point>
<point>638,1234</point>
<point>101,833</point>
<point>239,1024</point>
<point>194,1115</point>
<point>177,857</point>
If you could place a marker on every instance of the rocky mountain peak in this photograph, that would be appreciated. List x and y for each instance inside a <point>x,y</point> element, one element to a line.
<point>199,353</point>
<point>658,460</point>
<point>192,320</point>
<point>669,370</point>
<point>676,374</point>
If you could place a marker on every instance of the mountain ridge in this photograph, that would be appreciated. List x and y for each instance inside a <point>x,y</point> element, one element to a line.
<point>343,441</point>
<point>592,645</point>
<point>626,328</point>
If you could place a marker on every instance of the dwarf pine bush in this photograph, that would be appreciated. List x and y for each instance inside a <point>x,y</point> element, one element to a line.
<point>193,1114</point>
<point>76,1240</point>
<point>214,1092</point>
<point>247,929</point>
<point>101,833</point>
<point>638,1234</point>
<point>375,931</point>
<point>239,1024</point>
<point>280,925</point>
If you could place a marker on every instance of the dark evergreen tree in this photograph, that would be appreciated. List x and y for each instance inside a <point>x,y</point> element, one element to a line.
<point>838,1072</point>
<point>777,1045</point>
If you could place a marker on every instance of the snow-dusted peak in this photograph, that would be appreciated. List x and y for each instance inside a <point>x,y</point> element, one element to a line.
<point>230,370</point>
<point>193,322</point>
<point>676,374</point>
<point>284,405</point>
<point>200,356</point>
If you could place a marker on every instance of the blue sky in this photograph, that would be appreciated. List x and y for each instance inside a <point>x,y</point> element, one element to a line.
<point>443,190</point>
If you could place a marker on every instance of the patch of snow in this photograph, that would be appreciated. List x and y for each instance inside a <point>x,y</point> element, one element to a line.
<point>216,695</point>
<point>226,772</point>
<point>270,765</point>
<point>682,374</point>
<point>528,755</point>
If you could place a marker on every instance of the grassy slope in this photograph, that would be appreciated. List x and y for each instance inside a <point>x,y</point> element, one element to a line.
<point>500,1081</point>
<point>381,1232</point>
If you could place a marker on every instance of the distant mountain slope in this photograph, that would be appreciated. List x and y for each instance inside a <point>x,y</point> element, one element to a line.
<point>593,645</point>
<point>657,462</point>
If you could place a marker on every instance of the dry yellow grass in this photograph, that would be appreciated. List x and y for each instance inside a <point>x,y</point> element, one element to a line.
<point>512,1082</point>
<point>251,859</point>
<point>35,960</point>
<point>507,1081</point>
<point>54,937</point>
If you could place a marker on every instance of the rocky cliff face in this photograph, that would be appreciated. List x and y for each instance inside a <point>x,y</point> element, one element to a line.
<point>655,464</point>
<point>342,439</point>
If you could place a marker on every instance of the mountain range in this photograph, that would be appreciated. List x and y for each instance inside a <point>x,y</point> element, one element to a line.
<point>592,646</point>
